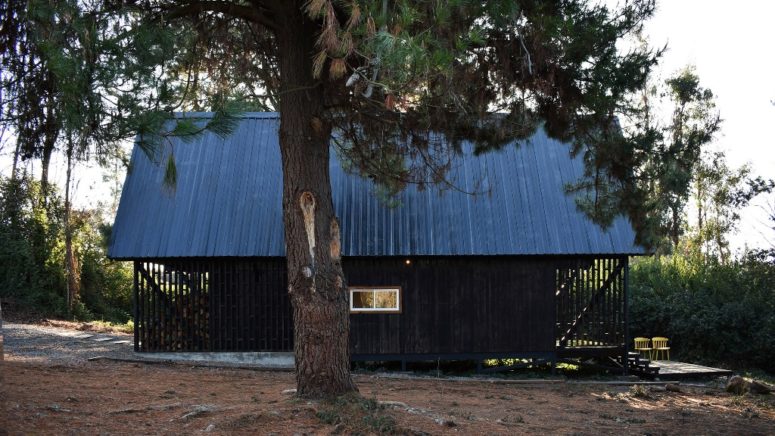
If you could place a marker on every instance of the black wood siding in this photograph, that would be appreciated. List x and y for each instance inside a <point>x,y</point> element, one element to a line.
<point>449,305</point>
<point>250,307</point>
<point>456,306</point>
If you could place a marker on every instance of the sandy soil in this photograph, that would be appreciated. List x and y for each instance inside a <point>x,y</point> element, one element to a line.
<point>122,398</point>
<point>47,386</point>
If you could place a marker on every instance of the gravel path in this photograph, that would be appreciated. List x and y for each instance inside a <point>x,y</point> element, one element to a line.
<point>63,346</point>
<point>68,346</point>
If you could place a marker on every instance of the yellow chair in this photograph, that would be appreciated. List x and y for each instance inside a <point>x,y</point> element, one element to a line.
<point>642,345</point>
<point>659,346</point>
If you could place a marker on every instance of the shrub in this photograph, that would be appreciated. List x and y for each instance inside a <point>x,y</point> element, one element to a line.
<point>713,313</point>
<point>32,257</point>
<point>30,270</point>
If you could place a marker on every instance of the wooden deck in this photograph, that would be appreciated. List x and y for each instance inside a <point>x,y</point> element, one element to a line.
<point>672,368</point>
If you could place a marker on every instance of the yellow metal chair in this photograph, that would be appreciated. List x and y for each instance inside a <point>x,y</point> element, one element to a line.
<point>642,345</point>
<point>659,346</point>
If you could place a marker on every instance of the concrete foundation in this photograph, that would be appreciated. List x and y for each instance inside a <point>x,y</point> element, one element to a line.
<point>267,360</point>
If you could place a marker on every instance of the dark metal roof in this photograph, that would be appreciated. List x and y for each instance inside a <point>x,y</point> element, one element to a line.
<point>228,203</point>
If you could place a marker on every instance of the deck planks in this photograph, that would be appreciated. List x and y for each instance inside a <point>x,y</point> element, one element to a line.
<point>676,368</point>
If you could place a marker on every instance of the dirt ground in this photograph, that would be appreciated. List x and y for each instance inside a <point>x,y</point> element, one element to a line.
<point>48,385</point>
<point>121,398</point>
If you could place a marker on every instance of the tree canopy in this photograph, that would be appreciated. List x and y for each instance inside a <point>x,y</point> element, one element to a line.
<point>398,85</point>
<point>403,83</point>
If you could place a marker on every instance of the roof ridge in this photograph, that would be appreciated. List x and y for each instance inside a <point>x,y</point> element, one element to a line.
<point>244,115</point>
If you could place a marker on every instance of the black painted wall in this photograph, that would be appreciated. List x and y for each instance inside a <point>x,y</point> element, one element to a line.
<point>457,306</point>
<point>250,306</point>
<point>453,305</point>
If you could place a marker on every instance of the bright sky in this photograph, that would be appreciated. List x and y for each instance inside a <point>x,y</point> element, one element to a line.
<point>731,46</point>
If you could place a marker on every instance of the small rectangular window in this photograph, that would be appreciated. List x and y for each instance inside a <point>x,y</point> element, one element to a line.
<point>380,299</point>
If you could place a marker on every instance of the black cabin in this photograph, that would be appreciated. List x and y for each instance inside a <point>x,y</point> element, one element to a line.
<point>513,271</point>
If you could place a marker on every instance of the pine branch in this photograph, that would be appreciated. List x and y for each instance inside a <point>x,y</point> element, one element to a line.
<point>193,8</point>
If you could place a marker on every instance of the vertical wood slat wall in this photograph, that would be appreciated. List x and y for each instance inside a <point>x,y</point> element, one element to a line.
<point>212,305</point>
<point>450,305</point>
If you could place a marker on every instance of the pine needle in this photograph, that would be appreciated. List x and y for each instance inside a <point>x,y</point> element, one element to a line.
<point>171,172</point>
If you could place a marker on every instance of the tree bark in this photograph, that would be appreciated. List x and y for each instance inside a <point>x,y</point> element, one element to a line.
<point>52,132</point>
<point>675,226</point>
<point>316,283</point>
<point>700,195</point>
<point>71,262</point>
<point>16,153</point>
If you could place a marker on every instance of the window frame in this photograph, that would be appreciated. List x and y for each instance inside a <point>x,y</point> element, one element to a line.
<point>399,299</point>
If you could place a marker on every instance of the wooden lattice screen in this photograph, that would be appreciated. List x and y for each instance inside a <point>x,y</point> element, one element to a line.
<point>591,303</point>
<point>212,305</point>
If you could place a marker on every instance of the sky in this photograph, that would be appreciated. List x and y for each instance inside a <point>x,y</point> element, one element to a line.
<point>731,47</point>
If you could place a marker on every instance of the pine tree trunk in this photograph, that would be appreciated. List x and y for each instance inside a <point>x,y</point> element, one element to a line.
<point>700,206</point>
<point>71,263</point>
<point>16,153</point>
<point>315,279</point>
<point>45,163</point>
<point>675,226</point>
<point>52,132</point>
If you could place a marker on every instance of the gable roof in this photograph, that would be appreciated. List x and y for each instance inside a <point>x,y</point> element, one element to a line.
<point>228,202</point>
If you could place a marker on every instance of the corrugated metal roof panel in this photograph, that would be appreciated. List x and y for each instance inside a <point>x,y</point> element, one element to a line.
<point>228,202</point>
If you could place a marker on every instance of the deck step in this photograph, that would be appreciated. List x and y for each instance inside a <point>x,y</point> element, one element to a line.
<point>637,363</point>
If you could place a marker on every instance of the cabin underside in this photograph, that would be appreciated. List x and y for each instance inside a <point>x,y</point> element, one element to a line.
<point>446,308</point>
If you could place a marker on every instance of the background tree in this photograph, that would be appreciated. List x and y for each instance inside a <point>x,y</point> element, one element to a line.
<point>771,217</point>
<point>28,86</point>
<point>713,306</point>
<point>669,153</point>
<point>720,193</point>
<point>693,125</point>
<point>79,77</point>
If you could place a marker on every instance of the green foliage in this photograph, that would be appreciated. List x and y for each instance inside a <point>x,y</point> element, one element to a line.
<point>84,76</point>
<point>93,78</point>
<point>486,72</point>
<point>32,257</point>
<point>657,158</point>
<point>712,312</point>
<point>720,193</point>
<point>106,286</point>
<point>28,249</point>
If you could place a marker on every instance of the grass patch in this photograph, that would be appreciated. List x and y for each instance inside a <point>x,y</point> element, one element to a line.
<point>356,414</point>
<point>101,326</point>
<point>107,326</point>
<point>759,375</point>
<point>639,391</point>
